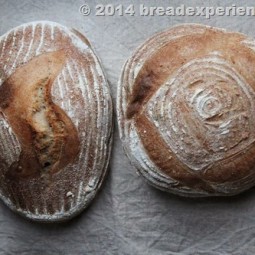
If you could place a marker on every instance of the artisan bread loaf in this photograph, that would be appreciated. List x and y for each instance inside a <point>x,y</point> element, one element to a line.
<point>55,121</point>
<point>186,111</point>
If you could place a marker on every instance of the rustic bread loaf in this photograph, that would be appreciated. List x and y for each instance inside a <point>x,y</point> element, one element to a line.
<point>55,121</point>
<point>186,111</point>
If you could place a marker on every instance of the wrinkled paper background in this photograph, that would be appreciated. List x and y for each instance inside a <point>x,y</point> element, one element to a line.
<point>128,217</point>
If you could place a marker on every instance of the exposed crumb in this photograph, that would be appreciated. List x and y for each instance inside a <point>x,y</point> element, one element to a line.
<point>47,144</point>
<point>69,194</point>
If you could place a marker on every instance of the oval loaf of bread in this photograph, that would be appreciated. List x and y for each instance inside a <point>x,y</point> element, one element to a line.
<point>186,111</point>
<point>55,121</point>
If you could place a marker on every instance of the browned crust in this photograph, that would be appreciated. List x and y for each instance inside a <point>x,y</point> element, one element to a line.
<point>164,62</point>
<point>163,158</point>
<point>79,98</point>
<point>43,152</point>
<point>156,70</point>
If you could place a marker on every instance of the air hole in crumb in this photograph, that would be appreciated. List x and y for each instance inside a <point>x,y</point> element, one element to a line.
<point>46,164</point>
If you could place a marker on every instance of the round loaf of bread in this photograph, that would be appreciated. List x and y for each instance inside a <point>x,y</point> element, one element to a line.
<point>55,121</point>
<point>186,111</point>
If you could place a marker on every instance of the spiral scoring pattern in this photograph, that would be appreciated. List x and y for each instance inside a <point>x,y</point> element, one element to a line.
<point>186,111</point>
<point>204,109</point>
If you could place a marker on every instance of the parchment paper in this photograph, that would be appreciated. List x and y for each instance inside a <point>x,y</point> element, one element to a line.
<point>129,217</point>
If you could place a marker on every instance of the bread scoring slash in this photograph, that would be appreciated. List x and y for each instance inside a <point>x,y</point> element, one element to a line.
<point>48,138</point>
<point>55,121</point>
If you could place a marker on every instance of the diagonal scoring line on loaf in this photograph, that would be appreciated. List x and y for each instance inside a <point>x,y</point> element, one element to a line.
<point>46,134</point>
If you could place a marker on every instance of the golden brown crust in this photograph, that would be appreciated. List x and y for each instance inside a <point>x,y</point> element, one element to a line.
<point>169,58</point>
<point>187,95</point>
<point>55,121</point>
<point>47,136</point>
<point>158,151</point>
